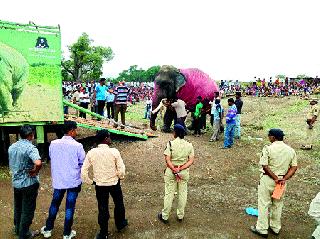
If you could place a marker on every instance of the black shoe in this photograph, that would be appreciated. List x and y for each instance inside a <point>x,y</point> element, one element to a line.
<point>99,236</point>
<point>161,219</point>
<point>255,231</point>
<point>273,232</point>
<point>180,220</point>
<point>123,226</point>
<point>33,234</point>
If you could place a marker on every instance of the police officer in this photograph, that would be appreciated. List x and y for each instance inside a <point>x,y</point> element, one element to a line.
<point>312,115</point>
<point>278,164</point>
<point>314,212</point>
<point>179,156</point>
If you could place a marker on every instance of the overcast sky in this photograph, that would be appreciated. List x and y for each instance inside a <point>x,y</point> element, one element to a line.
<point>235,39</point>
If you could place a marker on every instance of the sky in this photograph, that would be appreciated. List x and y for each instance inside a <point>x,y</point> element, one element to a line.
<point>228,39</point>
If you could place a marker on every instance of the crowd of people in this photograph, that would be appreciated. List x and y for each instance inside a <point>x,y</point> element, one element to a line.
<point>70,163</point>
<point>106,98</point>
<point>278,88</point>
<point>70,168</point>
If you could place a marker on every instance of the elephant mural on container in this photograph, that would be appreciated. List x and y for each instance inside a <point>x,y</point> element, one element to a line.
<point>14,70</point>
<point>184,84</point>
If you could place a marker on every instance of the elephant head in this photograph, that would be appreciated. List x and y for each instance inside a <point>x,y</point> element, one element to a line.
<point>168,81</point>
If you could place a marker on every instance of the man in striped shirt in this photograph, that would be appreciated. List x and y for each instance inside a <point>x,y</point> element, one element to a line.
<point>230,124</point>
<point>121,97</point>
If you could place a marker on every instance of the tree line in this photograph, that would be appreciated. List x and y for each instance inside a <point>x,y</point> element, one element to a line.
<point>86,62</point>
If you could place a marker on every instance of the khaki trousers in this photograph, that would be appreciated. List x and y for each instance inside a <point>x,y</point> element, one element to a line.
<point>269,209</point>
<point>172,186</point>
<point>311,135</point>
<point>314,212</point>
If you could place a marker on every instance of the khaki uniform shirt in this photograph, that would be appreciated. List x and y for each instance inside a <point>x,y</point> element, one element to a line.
<point>279,157</point>
<point>180,152</point>
<point>313,111</point>
<point>108,166</point>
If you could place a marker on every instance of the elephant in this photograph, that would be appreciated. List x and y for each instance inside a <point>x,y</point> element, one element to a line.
<point>185,84</point>
<point>14,71</point>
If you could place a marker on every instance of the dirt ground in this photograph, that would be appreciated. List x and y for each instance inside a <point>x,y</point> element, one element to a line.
<point>222,183</point>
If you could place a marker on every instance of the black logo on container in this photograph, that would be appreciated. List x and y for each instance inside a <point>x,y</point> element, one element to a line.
<point>42,43</point>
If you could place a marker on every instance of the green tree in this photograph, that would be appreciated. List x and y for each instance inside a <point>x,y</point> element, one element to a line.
<point>85,61</point>
<point>303,76</point>
<point>135,74</point>
<point>281,76</point>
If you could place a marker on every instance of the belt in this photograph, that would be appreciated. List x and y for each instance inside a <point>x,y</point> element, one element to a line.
<point>277,175</point>
<point>281,176</point>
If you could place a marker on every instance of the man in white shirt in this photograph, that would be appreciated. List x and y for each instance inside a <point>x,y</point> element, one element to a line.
<point>84,99</point>
<point>147,113</point>
<point>180,108</point>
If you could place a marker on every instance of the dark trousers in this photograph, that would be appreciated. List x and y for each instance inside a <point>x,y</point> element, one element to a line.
<point>203,123</point>
<point>65,110</point>
<point>24,206</point>
<point>197,126</point>
<point>102,194</point>
<point>101,104</point>
<point>58,194</point>
<point>110,109</point>
<point>122,108</point>
<point>83,105</point>
<point>181,121</point>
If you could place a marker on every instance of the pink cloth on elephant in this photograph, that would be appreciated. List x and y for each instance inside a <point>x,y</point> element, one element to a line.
<point>197,84</point>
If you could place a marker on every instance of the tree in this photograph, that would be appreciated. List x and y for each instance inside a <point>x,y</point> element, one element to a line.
<point>85,61</point>
<point>135,74</point>
<point>303,76</point>
<point>281,76</point>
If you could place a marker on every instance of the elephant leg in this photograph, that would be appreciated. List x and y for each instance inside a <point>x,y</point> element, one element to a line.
<point>167,120</point>
<point>5,89</point>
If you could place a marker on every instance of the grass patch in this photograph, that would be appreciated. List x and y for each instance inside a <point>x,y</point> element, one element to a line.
<point>4,173</point>
<point>279,118</point>
<point>135,113</point>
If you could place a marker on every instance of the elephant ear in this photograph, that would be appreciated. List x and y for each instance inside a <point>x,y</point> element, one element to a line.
<point>180,81</point>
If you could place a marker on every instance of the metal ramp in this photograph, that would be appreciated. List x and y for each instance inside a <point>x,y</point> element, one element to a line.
<point>128,130</point>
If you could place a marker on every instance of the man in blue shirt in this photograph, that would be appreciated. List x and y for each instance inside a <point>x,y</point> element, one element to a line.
<point>217,113</point>
<point>100,95</point>
<point>24,163</point>
<point>230,124</point>
<point>110,103</point>
<point>67,156</point>
<point>239,104</point>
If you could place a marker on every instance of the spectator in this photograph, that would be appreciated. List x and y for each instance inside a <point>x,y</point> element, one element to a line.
<point>147,113</point>
<point>100,96</point>
<point>67,156</point>
<point>217,114</point>
<point>25,164</point>
<point>110,103</point>
<point>230,124</point>
<point>84,101</point>
<point>197,117</point>
<point>121,98</point>
<point>239,104</point>
<point>108,169</point>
